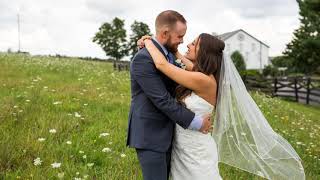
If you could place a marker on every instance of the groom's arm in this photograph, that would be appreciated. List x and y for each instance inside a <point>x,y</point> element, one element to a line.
<point>145,73</point>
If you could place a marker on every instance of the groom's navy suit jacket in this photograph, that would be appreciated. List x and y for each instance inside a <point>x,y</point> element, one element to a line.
<point>154,110</point>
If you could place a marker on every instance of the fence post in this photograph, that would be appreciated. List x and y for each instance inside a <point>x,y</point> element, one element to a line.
<point>114,65</point>
<point>308,89</point>
<point>296,89</point>
<point>275,86</point>
<point>244,79</point>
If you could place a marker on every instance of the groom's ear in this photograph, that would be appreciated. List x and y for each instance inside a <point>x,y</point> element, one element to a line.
<point>166,32</point>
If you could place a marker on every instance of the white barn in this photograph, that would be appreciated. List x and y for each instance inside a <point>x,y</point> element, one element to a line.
<point>254,51</point>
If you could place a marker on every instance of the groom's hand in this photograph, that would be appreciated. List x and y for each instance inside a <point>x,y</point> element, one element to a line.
<point>206,124</point>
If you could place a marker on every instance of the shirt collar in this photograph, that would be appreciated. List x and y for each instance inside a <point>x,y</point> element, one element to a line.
<point>162,47</point>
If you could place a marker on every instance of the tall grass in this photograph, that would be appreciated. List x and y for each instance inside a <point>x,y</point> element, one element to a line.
<point>87,104</point>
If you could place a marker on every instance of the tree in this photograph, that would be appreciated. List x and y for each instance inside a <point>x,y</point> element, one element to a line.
<point>238,61</point>
<point>303,50</point>
<point>112,38</point>
<point>281,61</point>
<point>270,70</point>
<point>138,29</point>
<point>9,50</point>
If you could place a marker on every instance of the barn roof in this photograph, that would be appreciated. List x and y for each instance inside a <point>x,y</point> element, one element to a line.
<point>227,35</point>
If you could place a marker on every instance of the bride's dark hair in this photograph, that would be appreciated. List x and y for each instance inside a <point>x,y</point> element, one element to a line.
<point>208,61</point>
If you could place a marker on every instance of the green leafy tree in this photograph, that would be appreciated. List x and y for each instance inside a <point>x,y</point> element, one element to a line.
<point>270,70</point>
<point>112,39</point>
<point>281,61</point>
<point>138,29</point>
<point>238,61</point>
<point>304,49</point>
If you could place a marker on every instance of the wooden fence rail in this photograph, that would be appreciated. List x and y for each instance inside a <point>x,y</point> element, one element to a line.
<point>300,89</point>
<point>121,65</point>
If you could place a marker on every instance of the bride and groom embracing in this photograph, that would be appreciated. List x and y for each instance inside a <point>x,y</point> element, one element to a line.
<point>176,97</point>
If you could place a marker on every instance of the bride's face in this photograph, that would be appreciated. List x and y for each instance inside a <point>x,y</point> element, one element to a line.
<point>193,48</point>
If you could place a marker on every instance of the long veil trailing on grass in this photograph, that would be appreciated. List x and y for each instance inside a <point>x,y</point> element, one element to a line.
<point>244,137</point>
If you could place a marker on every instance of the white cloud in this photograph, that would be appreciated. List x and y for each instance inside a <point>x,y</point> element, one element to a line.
<point>67,27</point>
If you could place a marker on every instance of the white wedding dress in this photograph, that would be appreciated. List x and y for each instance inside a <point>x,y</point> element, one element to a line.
<point>243,136</point>
<point>194,154</point>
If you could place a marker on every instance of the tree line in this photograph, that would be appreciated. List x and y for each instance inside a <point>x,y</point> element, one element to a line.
<point>301,56</point>
<point>112,38</point>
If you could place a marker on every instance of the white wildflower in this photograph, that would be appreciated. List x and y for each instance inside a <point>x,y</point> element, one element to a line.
<point>57,102</point>
<point>104,134</point>
<point>52,131</point>
<point>41,139</point>
<point>106,150</point>
<point>76,114</point>
<point>55,165</point>
<point>37,161</point>
<point>90,164</point>
<point>123,155</point>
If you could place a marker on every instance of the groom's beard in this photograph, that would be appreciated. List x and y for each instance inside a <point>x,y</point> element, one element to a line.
<point>173,48</point>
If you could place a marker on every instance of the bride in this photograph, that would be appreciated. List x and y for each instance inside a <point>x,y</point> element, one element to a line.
<point>241,136</point>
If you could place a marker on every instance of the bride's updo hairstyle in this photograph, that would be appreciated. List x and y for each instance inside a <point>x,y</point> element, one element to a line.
<point>208,61</point>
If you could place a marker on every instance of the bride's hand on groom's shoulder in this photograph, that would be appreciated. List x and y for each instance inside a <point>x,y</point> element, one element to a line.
<point>206,124</point>
<point>140,42</point>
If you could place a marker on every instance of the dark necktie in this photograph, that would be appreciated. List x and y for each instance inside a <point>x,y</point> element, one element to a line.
<point>171,58</point>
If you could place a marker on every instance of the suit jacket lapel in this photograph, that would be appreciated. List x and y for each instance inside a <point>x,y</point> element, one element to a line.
<point>159,47</point>
<point>161,50</point>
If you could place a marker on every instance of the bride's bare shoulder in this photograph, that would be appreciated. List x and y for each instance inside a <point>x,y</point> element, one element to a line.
<point>208,91</point>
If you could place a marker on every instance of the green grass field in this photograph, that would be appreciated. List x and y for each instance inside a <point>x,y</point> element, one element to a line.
<point>74,112</point>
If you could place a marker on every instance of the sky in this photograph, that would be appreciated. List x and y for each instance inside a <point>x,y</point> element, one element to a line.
<point>67,26</point>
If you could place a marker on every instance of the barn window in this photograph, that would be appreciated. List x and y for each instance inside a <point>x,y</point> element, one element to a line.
<point>253,46</point>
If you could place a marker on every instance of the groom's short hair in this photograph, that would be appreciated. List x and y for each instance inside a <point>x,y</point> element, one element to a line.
<point>168,18</point>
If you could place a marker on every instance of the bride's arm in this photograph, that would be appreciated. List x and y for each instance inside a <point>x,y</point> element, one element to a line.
<point>195,81</point>
<point>186,61</point>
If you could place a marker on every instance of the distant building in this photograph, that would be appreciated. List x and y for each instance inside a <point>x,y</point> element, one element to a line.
<point>254,51</point>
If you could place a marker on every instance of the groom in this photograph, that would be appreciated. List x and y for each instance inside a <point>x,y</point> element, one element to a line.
<point>154,110</point>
